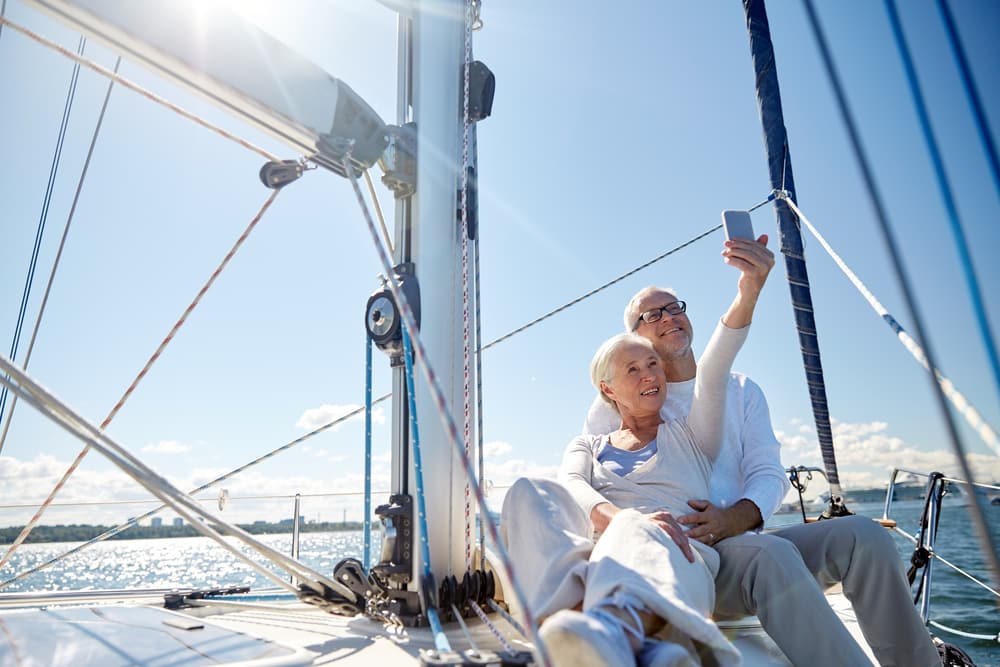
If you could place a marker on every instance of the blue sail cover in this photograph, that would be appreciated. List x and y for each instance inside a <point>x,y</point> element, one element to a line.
<point>779,163</point>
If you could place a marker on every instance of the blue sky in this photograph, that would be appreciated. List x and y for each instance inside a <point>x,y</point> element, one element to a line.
<point>618,133</point>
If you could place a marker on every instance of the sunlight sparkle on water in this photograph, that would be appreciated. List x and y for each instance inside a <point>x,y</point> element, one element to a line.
<point>187,562</point>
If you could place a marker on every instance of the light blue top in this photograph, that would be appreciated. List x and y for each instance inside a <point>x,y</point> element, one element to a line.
<point>622,461</point>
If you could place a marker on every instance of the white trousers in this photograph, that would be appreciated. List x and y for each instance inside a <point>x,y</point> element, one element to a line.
<point>559,566</point>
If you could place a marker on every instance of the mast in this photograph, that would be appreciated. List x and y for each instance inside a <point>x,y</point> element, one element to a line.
<point>779,163</point>
<point>423,166</point>
<point>438,36</point>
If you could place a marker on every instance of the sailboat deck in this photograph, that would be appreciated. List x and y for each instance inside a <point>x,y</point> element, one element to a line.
<point>273,634</point>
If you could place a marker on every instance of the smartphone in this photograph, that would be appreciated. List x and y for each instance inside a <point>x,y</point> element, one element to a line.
<point>737,225</point>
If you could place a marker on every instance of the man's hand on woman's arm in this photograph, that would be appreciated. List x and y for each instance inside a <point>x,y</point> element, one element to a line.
<point>711,523</point>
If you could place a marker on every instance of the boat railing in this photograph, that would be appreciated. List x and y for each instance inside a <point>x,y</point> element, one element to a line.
<point>924,555</point>
<point>222,499</point>
<point>921,565</point>
<point>800,476</point>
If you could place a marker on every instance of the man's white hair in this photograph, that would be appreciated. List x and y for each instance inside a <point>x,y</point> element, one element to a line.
<point>632,311</point>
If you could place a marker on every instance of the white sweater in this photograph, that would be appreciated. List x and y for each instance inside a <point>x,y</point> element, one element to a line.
<point>749,462</point>
<point>686,446</point>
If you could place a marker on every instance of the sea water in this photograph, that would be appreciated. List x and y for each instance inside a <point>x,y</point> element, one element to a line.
<point>197,562</point>
<point>956,601</point>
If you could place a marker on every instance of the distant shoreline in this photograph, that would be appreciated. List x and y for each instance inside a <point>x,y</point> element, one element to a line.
<point>85,532</point>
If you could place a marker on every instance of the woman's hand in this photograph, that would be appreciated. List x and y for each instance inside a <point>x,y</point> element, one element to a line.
<point>602,514</point>
<point>755,262</point>
<point>668,523</point>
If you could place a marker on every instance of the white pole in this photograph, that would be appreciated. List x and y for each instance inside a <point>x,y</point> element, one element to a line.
<point>438,58</point>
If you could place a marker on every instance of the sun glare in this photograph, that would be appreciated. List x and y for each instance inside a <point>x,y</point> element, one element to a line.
<point>261,14</point>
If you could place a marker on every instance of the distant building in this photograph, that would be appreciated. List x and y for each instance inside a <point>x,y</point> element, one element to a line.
<point>178,521</point>
<point>156,522</point>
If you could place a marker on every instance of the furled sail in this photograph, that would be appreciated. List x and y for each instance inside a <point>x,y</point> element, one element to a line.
<point>779,164</point>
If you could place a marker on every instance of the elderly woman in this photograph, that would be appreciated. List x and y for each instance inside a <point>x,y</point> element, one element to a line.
<point>604,560</point>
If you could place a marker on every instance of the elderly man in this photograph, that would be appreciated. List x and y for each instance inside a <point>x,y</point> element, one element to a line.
<point>778,576</point>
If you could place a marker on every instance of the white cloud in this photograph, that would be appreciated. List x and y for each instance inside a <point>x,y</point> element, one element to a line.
<point>313,418</point>
<point>167,447</point>
<point>504,473</point>
<point>868,452</point>
<point>496,449</point>
<point>27,483</point>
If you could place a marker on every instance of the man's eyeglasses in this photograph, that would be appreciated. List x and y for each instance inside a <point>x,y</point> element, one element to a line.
<point>656,314</point>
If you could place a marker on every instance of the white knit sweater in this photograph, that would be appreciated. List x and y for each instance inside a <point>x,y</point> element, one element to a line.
<point>686,447</point>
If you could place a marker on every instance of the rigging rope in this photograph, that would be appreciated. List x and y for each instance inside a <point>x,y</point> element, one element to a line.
<point>599,289</point>
<point>466,232</point>
<point>489,624</point>
<point>206,499</point>
<point>507,617</point>
<point>184,505</point>
<point>378,211</point>
<point>968,269</point>
<point>876,201</point>
<point>12,642</point>
<point>465,628</point>
<point>142,373</point>
<point>479,400</point>
<point>972,416</point>
<point>367,549</point>
<point>437,393</point>
<point>972,92</point>
<point>936,556</point>
<point>59,252</point>
<point>139,89</point>
<point>124,526</point>
<point>133,521</point>
<point>43,217</point>
<point>428,589</point>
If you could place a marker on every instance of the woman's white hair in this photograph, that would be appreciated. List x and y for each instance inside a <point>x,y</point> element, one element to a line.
<point>632,312</point>
<point>602,365</point>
